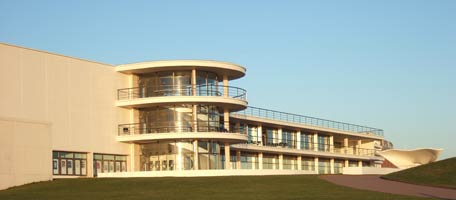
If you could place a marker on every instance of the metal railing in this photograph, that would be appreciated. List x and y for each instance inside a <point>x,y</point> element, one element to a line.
<point>312,121</point>
<point>141,128</point>
<point>319,147</point>
<point>188,90</point>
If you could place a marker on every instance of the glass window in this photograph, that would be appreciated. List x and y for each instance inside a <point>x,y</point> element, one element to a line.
<point>290,162</point>
<point>306,141</point>
<point>270,161</point>
<point>160,156</point>
<point>324,166</point>
<point>307,164</point>
<point>249,160</point>
<point>109,163</point>
<point>69,163</point>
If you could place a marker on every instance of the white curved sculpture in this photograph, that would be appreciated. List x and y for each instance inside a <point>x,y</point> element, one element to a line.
<point>404,159</point>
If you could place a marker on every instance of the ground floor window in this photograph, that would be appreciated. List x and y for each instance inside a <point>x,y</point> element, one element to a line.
<point>270,161</point>
<point>290,162</point>
<point>209,155</point>
<point>338,165</point>
<point>353,163</point>
<point>180,155</point>
<point>249,160</point>
<point>69,163</point>
<point>307,164</point>
<point>324,166</point>
<point>104,163</point>
<point>167,156</point>
<point>233,159</point>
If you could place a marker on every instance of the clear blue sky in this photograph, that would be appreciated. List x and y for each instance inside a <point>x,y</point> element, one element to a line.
<point>386,64</point>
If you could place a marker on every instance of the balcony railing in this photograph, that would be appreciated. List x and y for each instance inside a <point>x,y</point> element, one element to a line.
<point>312,121</point>
<point>189,90</point>
<point>140,128</point>
<point>292,144</point>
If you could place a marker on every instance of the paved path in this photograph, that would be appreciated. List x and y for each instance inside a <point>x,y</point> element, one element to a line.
<point>375,183</point>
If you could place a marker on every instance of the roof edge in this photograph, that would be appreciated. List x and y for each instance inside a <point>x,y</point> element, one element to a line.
<point>56,54</point>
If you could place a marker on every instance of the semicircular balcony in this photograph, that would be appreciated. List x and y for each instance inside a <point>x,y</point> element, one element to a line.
<point>233,98</point>
<point>140,132</point>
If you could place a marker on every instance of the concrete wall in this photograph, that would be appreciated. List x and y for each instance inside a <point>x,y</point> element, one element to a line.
<point>368,170</point>
<point>25,152</point>
<point>76,97</point>
<point>199,173</point>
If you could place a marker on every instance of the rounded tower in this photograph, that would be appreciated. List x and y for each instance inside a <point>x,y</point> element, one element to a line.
<point>179,114</point>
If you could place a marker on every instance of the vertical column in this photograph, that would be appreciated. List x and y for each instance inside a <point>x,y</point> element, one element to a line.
<point>279,136</point>
<point>346,164</point>
<point>135,160</point>
<point>358,147</point>
<point>238,159</point>
<point>195,118</point>
<point>316,164</point>
<point>360,163</point>
<point>179,166</point>
<point>280,161</point>
<point>237,127</point>
<point>331,144</point>
<point>260,160</point>
<point>315,141</point>
<point>195,155</point>
<point>259,135</point>
<point>331,165</point>
<point>346,146</point>
<point>227,156</point>
<point>225,86</point>
<point>195,107</point>
<point>132,82</point>
<point>298,140</point>
<point>226,119</point>
<point>299,162</point>
<point>193,82</point>
<point>274,161</point>
<point>134,116</point>
<point>90,165</point>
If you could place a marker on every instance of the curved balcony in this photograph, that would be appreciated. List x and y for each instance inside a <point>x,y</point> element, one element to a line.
<point>139,132</point>
<point>232,97</point>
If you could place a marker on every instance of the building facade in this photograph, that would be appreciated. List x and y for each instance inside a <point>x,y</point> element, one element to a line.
<point>67,117</point>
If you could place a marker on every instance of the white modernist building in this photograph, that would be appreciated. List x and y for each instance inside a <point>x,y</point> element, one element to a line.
<point>65,117</point>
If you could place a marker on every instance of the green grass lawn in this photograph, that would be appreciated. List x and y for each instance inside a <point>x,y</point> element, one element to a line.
<point>441,174</point>
<point>214,188</point>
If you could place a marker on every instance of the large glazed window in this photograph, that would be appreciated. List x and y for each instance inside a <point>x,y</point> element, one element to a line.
<point>290,162</point>
<point>209,155</point>
<point>179,83</point>
<point>105,163</point>
<point>270,161</point>
<point>164,156</point>
<point>69,163</point>
<point>178,118</point>
<point>324,166</point>
<point>176,155</point>
<point>307,164</point>
<point>306,141</point>
<point>207,83</point>
<point>166,83</point>
<point>208,118</point>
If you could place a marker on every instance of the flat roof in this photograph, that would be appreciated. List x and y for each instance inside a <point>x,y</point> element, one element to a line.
<point>233,71</point>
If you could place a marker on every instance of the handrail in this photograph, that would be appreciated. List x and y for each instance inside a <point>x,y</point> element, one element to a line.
<point>312,146</point>
<point>313,121</point>
<point>141,128</point>
<point>185,90</point>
